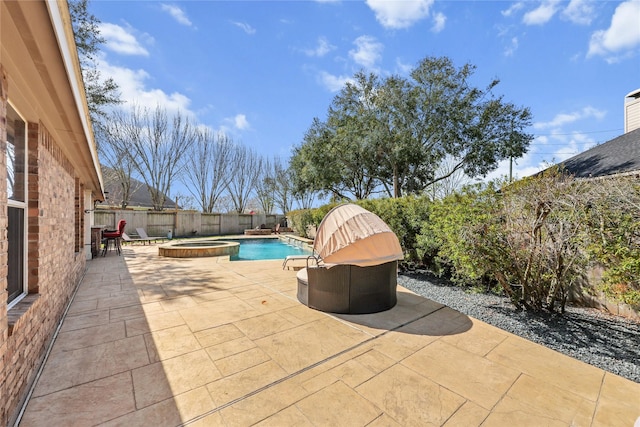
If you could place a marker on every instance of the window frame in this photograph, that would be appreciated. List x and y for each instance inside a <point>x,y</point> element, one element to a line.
<point>23,205</point>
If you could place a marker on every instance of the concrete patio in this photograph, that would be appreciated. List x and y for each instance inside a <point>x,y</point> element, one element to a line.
<point>151,341</point>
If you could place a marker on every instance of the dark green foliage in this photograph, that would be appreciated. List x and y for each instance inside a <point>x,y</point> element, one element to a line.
<point>615,238</point>
<point>300,220</point>
<point>444,245</point>
<point>392,135</point>
<point>536,239</point>
<point>405,216</point>
<point>100,92</point>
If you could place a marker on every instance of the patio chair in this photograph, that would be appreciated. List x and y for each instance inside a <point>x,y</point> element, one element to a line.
<point>144,236</point>
<point>113,236</point>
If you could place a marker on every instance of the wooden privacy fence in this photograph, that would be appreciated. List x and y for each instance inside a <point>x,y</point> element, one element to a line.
<point>184,224</point>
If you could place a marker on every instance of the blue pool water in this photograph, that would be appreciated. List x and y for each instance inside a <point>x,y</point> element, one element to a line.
<point>261,249</point>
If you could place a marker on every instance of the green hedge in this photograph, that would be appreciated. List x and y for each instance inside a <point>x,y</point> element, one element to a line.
<point>535,238</point>
<point>404,216</point>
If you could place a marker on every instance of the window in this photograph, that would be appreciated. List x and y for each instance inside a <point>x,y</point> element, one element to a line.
<point>16,200</point>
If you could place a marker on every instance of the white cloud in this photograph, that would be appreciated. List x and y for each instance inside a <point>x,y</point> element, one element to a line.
<point>622,35</point>
<point>331,82</point>
<point>527,165</point>
<point>544,152</point>
<point>542,14</point>
<point>570,145</point>
<point>400,14</point>
<point>230,125</point>
<point>245,27</point>
<point>321,49</point>
<point>120,40</point>
<point>438,22</point>
<point>177,14</point>
<point>579,12</point>
<point>513,46</point>
<point>512,9</point>
<point>240,122</point>
<point>368,51</point>
<point>565,118</point>
<point>133,90</point>
<point>404,69</point>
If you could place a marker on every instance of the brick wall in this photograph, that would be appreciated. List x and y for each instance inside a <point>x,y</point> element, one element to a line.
<point>4,327</point>
<point>55,264</point>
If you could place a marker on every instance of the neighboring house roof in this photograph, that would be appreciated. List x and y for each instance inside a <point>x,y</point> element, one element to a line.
<point>140,196</point>
<point>620,155</point>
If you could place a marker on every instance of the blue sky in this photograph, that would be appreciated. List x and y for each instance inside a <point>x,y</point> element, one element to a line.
<point>260,71</point>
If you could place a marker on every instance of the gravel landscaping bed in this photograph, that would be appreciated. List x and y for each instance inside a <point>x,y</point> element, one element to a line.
<point>609,342</point>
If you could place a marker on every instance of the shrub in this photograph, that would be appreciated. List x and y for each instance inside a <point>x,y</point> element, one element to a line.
<point>529,237</point>
<point>300,220</point>
<point>615,238</point>
<point>541,239</point>
<point>443,243</point>
<point>405,216</point>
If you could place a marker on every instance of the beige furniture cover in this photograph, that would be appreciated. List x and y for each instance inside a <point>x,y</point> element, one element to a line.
<point>350,234</point>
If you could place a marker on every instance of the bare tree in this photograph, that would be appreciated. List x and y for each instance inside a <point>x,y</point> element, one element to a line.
<point>119,168</point>
<point>266,186</point>
<point>206,168</point>
<point>185,202</point>
<point>244,176</point>
<point>155,145</point>
<point>455,179</point>
<point>224,204</point>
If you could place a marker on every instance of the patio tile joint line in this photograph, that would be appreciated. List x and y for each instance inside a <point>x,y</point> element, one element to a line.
<point>305,369</point>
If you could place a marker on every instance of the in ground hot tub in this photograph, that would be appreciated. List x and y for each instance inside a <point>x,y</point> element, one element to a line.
<point>199,248</point>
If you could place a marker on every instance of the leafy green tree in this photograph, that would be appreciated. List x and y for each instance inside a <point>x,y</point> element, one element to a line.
<point>395,133</point>
<point>330,163</point>
<point>100,92</point>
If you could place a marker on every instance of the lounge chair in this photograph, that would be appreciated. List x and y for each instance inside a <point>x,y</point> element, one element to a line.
<point>359,269</point>
<point>300,258</point>
<point>127,239</point>
<point>144,236</point>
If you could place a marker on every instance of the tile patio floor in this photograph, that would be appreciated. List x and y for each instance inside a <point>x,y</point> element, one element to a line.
<point>152,341</point>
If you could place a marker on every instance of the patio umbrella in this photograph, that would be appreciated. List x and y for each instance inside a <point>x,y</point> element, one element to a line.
<point>350,234</point>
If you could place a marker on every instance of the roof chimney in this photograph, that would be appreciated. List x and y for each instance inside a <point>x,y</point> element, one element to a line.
<point>632,111</point>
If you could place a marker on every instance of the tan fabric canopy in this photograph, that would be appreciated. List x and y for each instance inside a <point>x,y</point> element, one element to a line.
<point>349,234</point>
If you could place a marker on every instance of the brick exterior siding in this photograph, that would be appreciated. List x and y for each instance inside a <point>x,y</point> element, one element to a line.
<point>55,259</point>
<point>4,326</point>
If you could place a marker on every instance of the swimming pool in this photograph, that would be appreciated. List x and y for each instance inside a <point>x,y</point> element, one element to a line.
<point>263,249</point>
